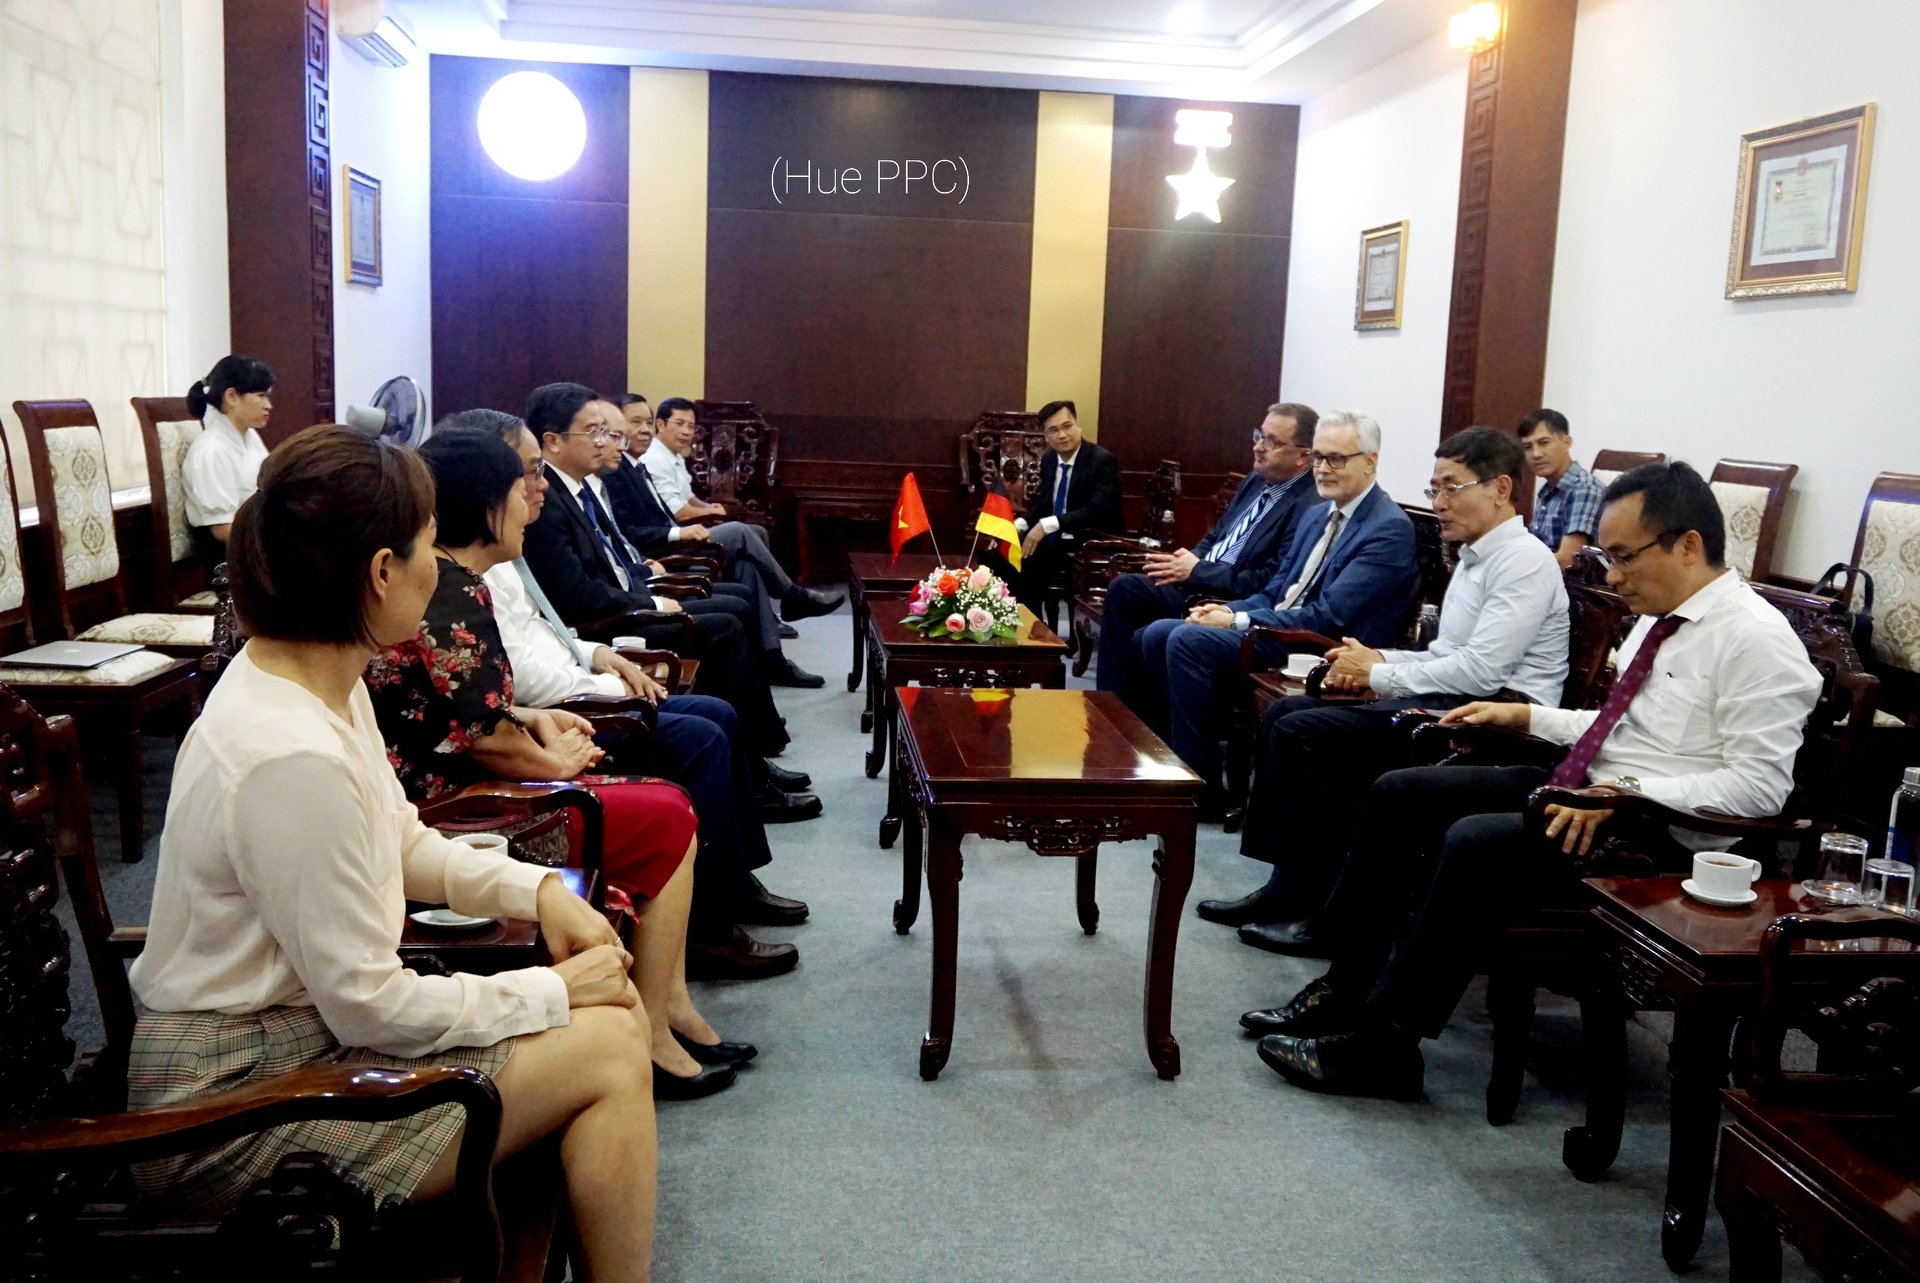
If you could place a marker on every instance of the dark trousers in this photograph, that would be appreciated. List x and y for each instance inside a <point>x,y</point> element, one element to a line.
<point>1041,577</point>
<point>1133,601</point>
<point>729,664</point>
<point>1317,760</point>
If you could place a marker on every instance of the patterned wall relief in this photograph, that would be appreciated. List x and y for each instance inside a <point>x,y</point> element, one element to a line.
<point>82,250</point>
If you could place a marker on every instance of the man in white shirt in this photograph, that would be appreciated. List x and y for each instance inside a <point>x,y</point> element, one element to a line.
<point>1706,715</point>
<point>1503,634</point>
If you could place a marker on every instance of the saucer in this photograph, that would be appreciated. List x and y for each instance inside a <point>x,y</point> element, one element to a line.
<point>1733,901</point>
<point>448,920</point>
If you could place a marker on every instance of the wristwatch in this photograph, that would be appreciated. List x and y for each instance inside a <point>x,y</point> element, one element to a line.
<point>1631,783</point>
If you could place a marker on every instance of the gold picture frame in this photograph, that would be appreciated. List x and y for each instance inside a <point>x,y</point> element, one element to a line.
<point>1378,293</point>
<point>363,227</point>
<point>1800,206</point>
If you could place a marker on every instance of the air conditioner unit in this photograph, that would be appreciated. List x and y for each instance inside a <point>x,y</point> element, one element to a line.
<point>365,27</point>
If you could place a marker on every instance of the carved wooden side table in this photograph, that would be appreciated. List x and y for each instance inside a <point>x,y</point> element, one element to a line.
<point>878,572</point>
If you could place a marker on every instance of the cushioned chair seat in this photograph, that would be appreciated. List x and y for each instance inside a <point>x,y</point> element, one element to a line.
<point>1881,717</point>
<point>154,630</point>
<point>208,600</point>
<point>124,671</point>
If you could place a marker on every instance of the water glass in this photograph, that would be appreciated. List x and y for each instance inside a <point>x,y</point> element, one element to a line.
<point>1836,878</point>
<point>1888,883</point>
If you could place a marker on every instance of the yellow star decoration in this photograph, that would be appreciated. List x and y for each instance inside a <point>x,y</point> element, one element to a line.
<point>1199,189</point>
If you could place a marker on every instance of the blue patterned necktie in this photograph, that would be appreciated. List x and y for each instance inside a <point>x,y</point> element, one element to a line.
<point>1230,546</point>
<point>1060,488</point>
<point>548,614</point>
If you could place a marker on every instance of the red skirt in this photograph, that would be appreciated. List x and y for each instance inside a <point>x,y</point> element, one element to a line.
<point>650,825</point>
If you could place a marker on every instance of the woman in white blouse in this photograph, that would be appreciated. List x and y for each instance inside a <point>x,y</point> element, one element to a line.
<point>288,854</point>
<point>233,403</point>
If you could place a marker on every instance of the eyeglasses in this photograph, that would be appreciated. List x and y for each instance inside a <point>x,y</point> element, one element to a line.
<point>599,436</point>
<point>1273,443</point>
<point>1625,559</point>
<point>1452,492</point>
<point>1333,462</point>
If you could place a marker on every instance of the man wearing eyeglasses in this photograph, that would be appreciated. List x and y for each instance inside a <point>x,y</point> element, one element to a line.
<point>1350,572</point>
<point>1234,559</point>
<point>1503,635</point>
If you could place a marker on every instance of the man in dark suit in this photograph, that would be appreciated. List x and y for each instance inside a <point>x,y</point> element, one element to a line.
<point>1079,493</point>
<point>590,571</point>
<point>1351,572</point>
<point>1234,559</point>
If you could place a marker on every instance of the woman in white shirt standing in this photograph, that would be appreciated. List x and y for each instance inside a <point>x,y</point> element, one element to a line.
<point>222,467</point>
<point>288,854</point>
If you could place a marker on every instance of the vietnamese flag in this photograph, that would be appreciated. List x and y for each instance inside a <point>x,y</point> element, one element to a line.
<point>909,515</point>
<point>996,522</point>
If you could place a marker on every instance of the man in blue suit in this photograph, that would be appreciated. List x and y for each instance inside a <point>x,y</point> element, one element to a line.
<point>1350,572</point>
<point>1234,560</point>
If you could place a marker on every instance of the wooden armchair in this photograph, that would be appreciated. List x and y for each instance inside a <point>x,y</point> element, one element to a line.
<point>1752,498</point>
<point>1002,451</point>
<point>1163,505</point>
<point>1097,562</point>
<point>81,573</point>
<point>1609,464</point>
<point>735,462</point>
<point>167,431</point>
<point>1829,1160</point>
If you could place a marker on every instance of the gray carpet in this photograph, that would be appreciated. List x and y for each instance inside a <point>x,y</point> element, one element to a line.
<point>1048,1149</point>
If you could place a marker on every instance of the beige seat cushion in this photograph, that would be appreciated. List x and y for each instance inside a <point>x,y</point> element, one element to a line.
<point>175,440</point>
<point>207,600</point>
<point>154,630</point>
<point>1744,508</point>
<point>124,671</point>
<point>78,462</point>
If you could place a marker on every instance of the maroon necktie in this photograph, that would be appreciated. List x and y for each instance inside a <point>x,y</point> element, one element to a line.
<point>1572,771</point>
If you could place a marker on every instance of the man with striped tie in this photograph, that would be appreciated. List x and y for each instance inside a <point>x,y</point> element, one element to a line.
<point>1234,559</point>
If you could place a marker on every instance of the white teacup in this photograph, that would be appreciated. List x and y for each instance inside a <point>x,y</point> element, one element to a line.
<point>1724,874</point>
<point>630,643</point>
<point>492,843</point>
<point>1300,663</point>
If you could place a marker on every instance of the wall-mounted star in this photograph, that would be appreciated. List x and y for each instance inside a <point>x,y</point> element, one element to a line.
<point>1199,190</point>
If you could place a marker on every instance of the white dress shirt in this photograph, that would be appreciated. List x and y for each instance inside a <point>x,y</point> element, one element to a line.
<point>1051,522</point>
<point>671,479</point>
<point>221,469</point>
<point>288,856</point>
<point>1503,625</point>
<point>1718,722</point>
<point>544,670</point>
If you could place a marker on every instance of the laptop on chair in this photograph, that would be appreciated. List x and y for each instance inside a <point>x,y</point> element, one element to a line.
<point>70,654</point>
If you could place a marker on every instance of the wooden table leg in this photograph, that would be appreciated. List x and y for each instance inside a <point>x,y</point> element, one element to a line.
<point>1697,1068</point>
<point>882,721</point>
<point>1084,878</point>
<point>906,910</point>
<point>1588,1151</point>
<point>859,640</point>
<point>1753,1236</point>
<point>943,889</point>
<point>896,788</point>
<point>1172,876</point>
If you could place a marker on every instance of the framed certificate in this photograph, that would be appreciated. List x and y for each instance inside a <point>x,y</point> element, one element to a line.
<point>363,228</point>
<point>1800,206</point>
<point>1383,276</point>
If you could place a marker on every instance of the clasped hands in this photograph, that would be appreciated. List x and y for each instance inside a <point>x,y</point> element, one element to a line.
<point>1575,826</point>
<point>586,950</point>
<point>568,737</point>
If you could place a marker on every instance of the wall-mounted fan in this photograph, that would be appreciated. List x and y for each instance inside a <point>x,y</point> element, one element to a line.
<point>398,413</point>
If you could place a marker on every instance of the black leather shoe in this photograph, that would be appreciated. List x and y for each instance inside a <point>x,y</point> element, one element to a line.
<point>1259,906</point>
<point>787,673</point>
<point>1302,939</point>
<point>788,632</point>
<point>710,1079</point>
<point>787,808</point>
<point>805,603</point>
<point>788,781</point>
<point>1313,1012</point>
<point>765,909</point>
<point>719,1053</point>
<point>1349,1064</point>
<point>739,957</point>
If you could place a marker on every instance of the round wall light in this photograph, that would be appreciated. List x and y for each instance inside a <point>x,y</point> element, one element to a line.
<point>532,126</point>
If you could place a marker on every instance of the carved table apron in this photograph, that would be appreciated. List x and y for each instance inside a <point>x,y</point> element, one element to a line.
<point>1062,772</point>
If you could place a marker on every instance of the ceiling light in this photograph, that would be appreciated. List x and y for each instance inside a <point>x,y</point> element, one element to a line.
<point>1476,29</point>
<point>1199,188</point>
<point>532,126</point>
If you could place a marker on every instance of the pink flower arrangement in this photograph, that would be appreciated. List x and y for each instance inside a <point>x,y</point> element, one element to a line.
<point>979,579</point>
<point>963,604</point>
<point>955,624</point>
<point>979,619</point>
<point>917,606</point>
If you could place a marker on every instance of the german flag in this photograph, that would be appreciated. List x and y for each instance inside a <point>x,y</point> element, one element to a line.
<point>996,522</point>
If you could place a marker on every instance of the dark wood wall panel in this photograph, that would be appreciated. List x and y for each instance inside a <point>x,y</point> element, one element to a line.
<point>529,279</point>
<point>1195,311</point>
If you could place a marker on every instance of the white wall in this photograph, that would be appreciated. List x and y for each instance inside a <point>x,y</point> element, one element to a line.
<point>1379,148</point>
<point>381,127</point>
<point>194,168</point>
<point>1644,350</point>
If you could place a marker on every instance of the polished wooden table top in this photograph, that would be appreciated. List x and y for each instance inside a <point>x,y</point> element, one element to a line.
<point>888,609</point>
<point>871,567</point>
<point>990,737</point>
<point>514,941</point>
<point>1661,910</point>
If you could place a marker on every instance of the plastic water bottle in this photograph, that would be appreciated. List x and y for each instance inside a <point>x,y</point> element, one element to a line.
<point>1903,821</point>
<point>1427,627</point>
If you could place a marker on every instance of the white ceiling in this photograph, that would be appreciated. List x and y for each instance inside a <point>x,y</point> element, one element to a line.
<point>1232,50</point>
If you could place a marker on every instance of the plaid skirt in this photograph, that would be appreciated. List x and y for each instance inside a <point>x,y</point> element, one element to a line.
<point>179,1055</point>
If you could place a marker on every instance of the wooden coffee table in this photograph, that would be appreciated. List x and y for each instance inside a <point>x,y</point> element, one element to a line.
<point>507,945</point>
<point>1062,771</point>
<point>897,657</point>
<point>1661,950</point>
<point>878,572</point>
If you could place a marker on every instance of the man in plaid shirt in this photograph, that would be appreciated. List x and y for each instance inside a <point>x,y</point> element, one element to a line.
<point>1566,511</point>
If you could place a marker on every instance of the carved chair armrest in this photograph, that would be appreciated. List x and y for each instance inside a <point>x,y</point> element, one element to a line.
<point>529,797</point>
<point>1433,742</point>
<point>664,665</point>
<point>1770,1079</point>
<point>680,587</point>
<point>707,559</point>
<point>596,705</point>
<point>1634,806</point>
<point>632,622</point>
<point>127,942</point>
<point>1299,638</point>
<point>636,723</point>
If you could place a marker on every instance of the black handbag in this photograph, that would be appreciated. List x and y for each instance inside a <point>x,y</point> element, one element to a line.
<point>1852,587</point>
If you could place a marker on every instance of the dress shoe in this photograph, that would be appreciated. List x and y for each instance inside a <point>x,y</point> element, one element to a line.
<point>764,908</point>
<point>784,672</point>
<point>787,808</point>
<point>1314,1011</point>
<point>1211,808</point>
<point>789,633</point>
<point>710,1079</point>
<point>1261,905</point>
<point>1302,939</point>
<point>739,957</point>
<point>718,1053</point>
<point>805,603</point>
<point>1349,1064</point>
<point>788,781</point>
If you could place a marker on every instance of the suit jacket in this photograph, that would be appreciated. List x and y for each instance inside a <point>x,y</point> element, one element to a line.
<point>1369,582</point>
<point>1272,537</point>
<point>565,555</point>
<point>1093,492</point>
<point>637,507</point>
